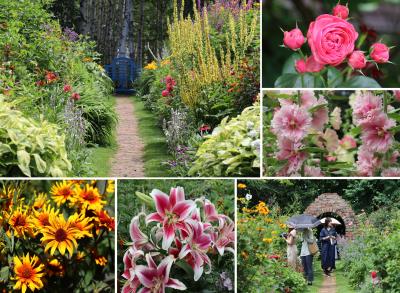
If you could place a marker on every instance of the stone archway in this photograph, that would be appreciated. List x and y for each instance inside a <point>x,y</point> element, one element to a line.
<point>334,203</point>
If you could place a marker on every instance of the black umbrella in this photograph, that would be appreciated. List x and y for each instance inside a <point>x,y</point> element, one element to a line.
<point>303,221</point>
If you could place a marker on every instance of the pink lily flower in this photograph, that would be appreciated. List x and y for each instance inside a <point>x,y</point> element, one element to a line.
<point>224,237</point>
<point>130,257</point>
<point>156,278</point>
<point>131,287</point>
<point>139,239</point>
<point>171,212</point>
<point>195,249</point>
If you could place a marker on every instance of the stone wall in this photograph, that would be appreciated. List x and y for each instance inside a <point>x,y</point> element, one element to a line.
<point>333,203</point>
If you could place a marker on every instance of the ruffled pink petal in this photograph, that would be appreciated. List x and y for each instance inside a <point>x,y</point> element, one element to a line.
<point>175,284</point>
<point>183,209</point>
<point>161,200</point>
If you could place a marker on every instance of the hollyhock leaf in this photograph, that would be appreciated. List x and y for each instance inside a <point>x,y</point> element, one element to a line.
<point>288,67</point>
<point>360,82</point>
<point>291,80</point>
<point>335,77</point>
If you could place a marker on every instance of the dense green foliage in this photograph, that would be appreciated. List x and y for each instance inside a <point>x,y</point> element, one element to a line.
<point>51,75</point>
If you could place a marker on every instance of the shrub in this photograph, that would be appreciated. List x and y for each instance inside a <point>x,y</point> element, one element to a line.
<point>233,148</point>
<point>30,148</point>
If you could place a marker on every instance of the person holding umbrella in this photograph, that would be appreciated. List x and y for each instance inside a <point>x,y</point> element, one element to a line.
<point>306,255</point>
<point>328,240</point>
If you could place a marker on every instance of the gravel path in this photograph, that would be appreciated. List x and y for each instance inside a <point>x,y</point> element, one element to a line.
<point>328,285</point>
<point>128,161</point>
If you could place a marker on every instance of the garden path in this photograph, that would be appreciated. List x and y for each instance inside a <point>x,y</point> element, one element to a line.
<point>328,285</point>
<point>128,161</point>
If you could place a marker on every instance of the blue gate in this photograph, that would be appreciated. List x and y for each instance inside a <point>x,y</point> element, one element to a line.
<point>123,72</point>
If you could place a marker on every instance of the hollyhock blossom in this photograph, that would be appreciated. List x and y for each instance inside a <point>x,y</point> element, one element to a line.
<point>321,116</point>
<point>376,135</point>
<point>367,163</point>
<point>365,107</point>
<point>312,65</point>
<point>379,53</point>
<point>357,60</point>
<point>341,11</point>
<point>291,122</point>
<point>291,151</point>
<point>348,142</point>
<point>391,172</point>
<point>171,212</point>
<point>335,119</point>
<point>195,249</point>
<point>156,278</point>
<point>300,66</point>
<point>331,39</point>
<point>293,39</point>
<point>331,140</point>
<point>313,171</point>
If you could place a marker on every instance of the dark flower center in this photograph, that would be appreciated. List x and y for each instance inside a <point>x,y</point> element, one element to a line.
<point>60,235</point>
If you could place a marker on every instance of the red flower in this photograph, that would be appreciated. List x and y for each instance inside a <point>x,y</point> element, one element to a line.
<point>373,274</point>
<point>67,88</point>
<point>75,96</point>
<point>40,83</point>
<point>165,93</point>
<point>205,127</point>
<point>51,76</point>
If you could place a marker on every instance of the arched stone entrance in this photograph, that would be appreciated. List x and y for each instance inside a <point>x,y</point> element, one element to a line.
<point>335,204</point>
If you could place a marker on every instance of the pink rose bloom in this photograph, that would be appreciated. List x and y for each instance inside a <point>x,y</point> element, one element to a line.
<point>331,39</point>
<point>376,135</point>
<point>380,53</point>
<point>348,142</point>
<point>341,11</point>
<point>391,172</point>
<point>397,95</point>
<point>366,107</point>
<point>367,163</point>
<point>290,151</point>
<point>357,60</point>
<point>293,39</point>
<point>300,66</point>
<point>291,122</point>
<point>312,65</point>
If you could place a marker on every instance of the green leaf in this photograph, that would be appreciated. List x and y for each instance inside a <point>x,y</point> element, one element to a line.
<point>4,273</point>
<point>288,67</point>
<point>40,164</point>
<point>313,150</point>
<point>394,116</point>
<point>395,129</point>
<point>355,131</point>
<point>294,80</point>
<point>145,198</point>
<point>360,82</point>
<point>316,108</point>
<point>335,77</point>
<point>24,159</point>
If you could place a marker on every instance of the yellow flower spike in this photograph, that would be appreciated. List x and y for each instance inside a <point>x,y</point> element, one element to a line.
<point>61,192</point>
<point>60,235</point>
<point>28,273</point>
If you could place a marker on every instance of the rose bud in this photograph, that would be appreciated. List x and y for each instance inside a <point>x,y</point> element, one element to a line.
<point>397,95</point>
<point>300,66</point>
<point>357,60</point>
<point>67,88</point>
<point>341,11</point>
<point>380,53</point>
<point>75,96</point>
<point>312,65</point>
<point>293,39</point>
<point>165,93</point>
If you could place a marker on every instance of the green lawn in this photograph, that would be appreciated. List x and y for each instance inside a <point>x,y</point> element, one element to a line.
<point>318,278</point>
<point>155,147</point>
<point>342,283</point>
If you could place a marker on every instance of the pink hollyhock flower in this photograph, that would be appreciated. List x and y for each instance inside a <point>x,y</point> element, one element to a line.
<point>331,39</point>
<point>379,53</point>
<point>331,140</point>
<point>397,95</point>
<point>321,116</point>
<point>341,11</point>
<point>348,142</point>
<point>300,66</point>
<point>357,60</point>
<point>195,249</point>
<point>67,88</point>
<point>156,278</point>
<point>391,172</point>
<point>376,135</point>
<point>224,237</point>
<point>367,163</point>
<point>393,158</point>
<point>291,122</point>
<point>313,171</point>
<point>139,239</point>
<point>336,119</point>
<point>308,99</point>
<point>366,107</point>
<point>171,212</point>
<point>290,151</point>
<point>312,65</point>
<point>293,39</point>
